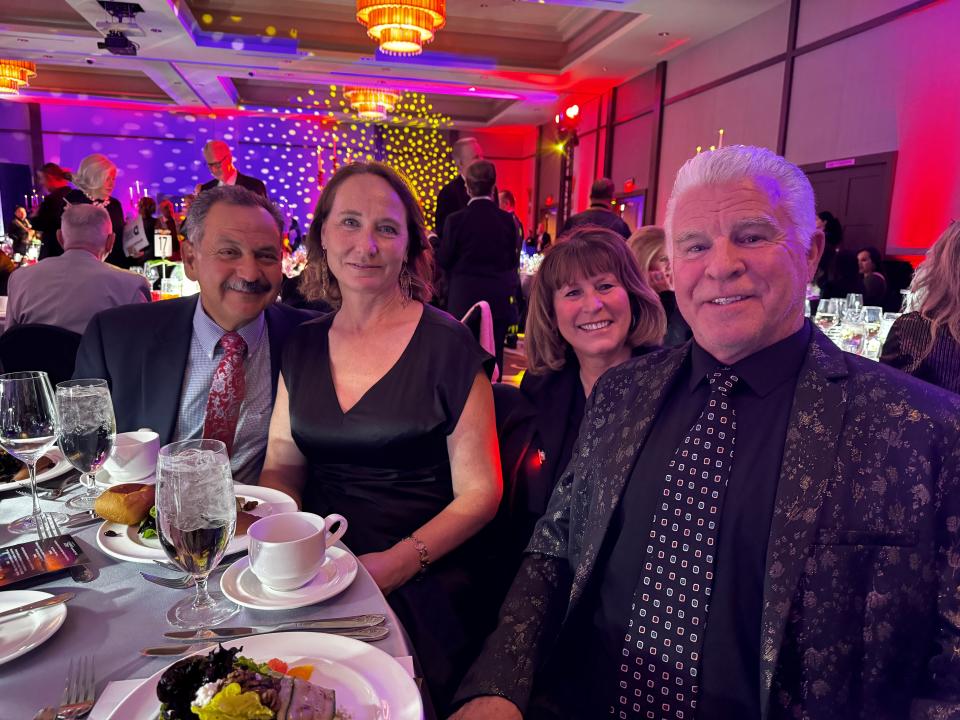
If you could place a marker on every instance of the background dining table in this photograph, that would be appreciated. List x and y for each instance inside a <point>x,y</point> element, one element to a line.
<point>117,613</point>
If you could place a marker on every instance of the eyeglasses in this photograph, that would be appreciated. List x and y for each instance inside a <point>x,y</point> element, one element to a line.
<point>217,163</point>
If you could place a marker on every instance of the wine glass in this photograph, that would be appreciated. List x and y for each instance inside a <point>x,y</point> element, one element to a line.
<point>828,312</point>
<point>196,518</point>
<point>28,428</point>
<point>87,432</point>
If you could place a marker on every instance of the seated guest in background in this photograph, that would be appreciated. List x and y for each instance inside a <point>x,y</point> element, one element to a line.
<point>168,221</point>
<point>589,311</point>
<point>874,283</point>
<point>385,415</point>
<point>480,256</point>
<point>95,179</point>
<point>67,290</point>
<point>146,207</point>
<point>809,572</point>
<point>56,181</point>
<point>649,246</point>
<point>832,231</point>
<point>20,231</point>
<point>843,278</point>
<point>204,365</point>
<point>219,160</point>
<point>926,343</point>
<point>600,211</point>
<point>540,239</point>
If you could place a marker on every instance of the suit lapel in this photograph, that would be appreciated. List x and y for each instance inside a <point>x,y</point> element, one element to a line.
<point>164,364</point>
<point>809,457</point>
<point>614,458</point>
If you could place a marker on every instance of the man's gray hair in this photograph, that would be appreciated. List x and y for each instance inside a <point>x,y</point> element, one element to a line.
<point>230,194</point>
<point>787,185</point>
<point>86,226</point>
<point>467,145</point>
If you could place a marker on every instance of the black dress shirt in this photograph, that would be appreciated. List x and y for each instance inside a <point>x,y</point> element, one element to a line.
<point>730,665</point>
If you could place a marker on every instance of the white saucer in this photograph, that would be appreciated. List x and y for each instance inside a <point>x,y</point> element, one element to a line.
<point>128,545</point>
<point>104,479</point>
<point>22,633</point>
<point>339,569</point>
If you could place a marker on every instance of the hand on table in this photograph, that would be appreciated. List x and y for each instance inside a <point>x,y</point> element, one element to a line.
<point>392,568</point>
<point>488,707</point>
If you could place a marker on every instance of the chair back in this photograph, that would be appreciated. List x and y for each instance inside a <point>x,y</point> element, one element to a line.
<point>48,348</point>
<point>479,319</point>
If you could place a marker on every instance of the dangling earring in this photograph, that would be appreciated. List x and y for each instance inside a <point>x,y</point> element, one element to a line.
<point>324,273</point>
<point>406,290</point>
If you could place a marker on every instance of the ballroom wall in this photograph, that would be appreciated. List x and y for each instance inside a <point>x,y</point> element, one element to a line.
<point>893,87</point>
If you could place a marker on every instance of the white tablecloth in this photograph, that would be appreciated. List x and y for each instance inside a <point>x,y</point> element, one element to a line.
<point>119,613</point>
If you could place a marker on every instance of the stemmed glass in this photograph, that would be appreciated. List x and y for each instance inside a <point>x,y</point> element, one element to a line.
<point>196,518</point>
<point>87,432</point>
<point>28,429</point>
<point>828,313</point>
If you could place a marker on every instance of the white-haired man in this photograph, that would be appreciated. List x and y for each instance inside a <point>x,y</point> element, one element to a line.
<point>453,196</point>
<point>219,159</point>
<point>753,525</point>
<point>69,289</point>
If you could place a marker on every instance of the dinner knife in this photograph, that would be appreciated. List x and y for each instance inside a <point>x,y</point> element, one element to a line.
<point>367,634</point>
<point>354,622</point>
<point>46,602</point>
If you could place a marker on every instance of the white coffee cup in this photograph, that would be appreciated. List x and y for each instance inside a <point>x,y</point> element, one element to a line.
<point>287,549</point>
<point>134,455</point>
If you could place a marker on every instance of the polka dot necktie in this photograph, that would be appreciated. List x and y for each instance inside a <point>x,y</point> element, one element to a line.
<point>660,664</point>
<point>226,392</point>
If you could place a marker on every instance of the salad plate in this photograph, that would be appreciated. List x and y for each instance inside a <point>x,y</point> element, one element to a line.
<point>338,571</point>
<point>369,684</point>
<point>61,465</point>
<point>123,542</point>
<point>22,633</point>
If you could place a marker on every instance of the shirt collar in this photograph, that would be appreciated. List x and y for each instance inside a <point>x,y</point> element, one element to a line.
<point>208,333</point>
<point>600,206</point>
<point>477,199</point>
<point>232,180</point>
<point>763,371</point>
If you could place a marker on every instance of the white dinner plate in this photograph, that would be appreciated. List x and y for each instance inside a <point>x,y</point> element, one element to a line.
<point>22,633</point>
<point>61,466</point>
<point>339,569</point>
<point>104,479</point>
<point>369,684</point>
<point>129,546</point>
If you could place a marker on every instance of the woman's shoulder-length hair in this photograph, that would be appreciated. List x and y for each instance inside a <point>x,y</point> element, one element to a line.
<point>585,252</point>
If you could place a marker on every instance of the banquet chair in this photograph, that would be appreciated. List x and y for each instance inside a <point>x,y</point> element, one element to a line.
<point>479,319</point>
<point>40,347</point>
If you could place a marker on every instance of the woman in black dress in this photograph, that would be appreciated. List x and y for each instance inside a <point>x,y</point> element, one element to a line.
<point>384,414</point>
<point>95,179</point>
<point>926,343</point>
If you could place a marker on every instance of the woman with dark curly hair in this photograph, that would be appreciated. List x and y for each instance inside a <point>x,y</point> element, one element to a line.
<point>384,414</point>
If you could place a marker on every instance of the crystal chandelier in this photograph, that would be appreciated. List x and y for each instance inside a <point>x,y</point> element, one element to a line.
<point>372,103</point>
<point>14,75</point>
<point>402,26</point>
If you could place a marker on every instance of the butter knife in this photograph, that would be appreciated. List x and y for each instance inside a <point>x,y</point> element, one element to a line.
<point>225,633</point>
<point>368,634</point>
<point>46,602</point>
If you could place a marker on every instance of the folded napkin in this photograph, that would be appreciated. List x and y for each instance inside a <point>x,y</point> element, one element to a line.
<point>116,691</point>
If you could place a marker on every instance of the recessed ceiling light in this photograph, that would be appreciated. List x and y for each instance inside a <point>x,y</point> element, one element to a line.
<point>664,34</point>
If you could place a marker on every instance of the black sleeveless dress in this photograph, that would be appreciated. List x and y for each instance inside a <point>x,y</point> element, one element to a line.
<point>384,466</point>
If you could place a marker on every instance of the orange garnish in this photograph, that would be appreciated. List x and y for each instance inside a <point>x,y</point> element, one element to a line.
<point>304,672</point>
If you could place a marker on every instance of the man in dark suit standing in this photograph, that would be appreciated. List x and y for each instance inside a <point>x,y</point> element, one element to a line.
<point>453,196</point>
<point>206,365</point>
<point>600,211</point>
<point>219,160</point>
<point>753,525</point>
<point>479,254</point>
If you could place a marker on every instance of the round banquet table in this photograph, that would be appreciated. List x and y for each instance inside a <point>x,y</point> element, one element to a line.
<point>118,613</point>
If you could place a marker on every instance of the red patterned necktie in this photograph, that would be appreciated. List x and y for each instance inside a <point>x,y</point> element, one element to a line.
<point>226,392</point>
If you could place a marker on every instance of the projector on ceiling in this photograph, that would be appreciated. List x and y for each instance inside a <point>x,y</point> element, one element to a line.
<point>118,44</point>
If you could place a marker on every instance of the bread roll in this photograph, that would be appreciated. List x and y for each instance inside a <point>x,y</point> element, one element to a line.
<point>126,504</point>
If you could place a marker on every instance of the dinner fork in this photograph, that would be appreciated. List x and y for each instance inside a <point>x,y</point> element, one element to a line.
<point>177,583</point>
<point>78,693</point>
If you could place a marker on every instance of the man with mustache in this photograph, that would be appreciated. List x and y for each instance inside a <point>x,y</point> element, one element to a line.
<point>755,524</point>
<point>206,365</point>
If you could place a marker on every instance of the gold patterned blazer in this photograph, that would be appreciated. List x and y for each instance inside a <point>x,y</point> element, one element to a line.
<point>861,612</point>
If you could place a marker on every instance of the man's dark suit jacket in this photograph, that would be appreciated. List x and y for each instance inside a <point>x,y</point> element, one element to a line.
<point>597,214</point>
<point>452,198</point>
<point>478,253</point>
<point>861,606</point>
<point>142,350</point>
<point>250,183</point>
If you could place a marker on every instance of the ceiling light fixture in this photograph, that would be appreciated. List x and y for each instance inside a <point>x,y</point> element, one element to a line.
<point>372,103</point>
<point>14,75</point>
<point>402,26</point>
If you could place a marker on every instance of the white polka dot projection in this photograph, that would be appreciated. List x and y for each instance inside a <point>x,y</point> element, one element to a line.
<point>658,677</point>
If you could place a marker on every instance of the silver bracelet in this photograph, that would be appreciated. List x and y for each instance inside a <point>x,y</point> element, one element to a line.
<point>421,549</point>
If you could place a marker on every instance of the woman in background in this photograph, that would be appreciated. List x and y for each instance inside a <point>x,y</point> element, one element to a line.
<point>95,179</point>
<point>168,221</point>
<point>873,282</point>
<point>926,343</point>
<point>649,246</point>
